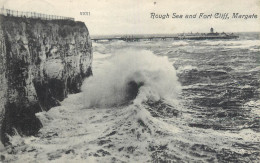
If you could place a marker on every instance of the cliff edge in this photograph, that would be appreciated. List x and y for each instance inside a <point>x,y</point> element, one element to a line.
<point>41,61</point>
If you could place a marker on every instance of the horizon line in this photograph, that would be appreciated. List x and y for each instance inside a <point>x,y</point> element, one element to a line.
<point>166,33</point>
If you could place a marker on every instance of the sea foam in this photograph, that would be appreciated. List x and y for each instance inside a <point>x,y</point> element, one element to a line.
<point>153,76</point>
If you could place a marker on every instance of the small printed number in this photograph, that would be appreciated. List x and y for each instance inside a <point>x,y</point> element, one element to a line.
<point>85,13</point>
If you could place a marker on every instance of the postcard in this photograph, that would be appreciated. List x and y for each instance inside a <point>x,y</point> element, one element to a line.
<point>159,81</point>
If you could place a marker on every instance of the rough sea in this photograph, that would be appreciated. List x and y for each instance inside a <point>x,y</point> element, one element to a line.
<point>157,101</point>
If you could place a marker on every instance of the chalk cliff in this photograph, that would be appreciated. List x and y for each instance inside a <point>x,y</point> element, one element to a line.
<point>41,61</point>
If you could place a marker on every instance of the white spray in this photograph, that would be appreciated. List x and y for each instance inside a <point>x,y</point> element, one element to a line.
<point>108,85</point>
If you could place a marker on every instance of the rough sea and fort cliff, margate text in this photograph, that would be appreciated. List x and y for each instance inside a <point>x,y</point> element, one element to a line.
<point>204,16</point>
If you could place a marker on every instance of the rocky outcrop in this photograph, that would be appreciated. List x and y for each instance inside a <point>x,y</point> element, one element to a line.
<point>41,61</point>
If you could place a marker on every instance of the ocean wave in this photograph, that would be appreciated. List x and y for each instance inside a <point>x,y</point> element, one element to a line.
<point>127,112</point>
<point>256,69</point>
<point>182,69</point>
<point>98,56</point>
<point>233,43</point>
<point>99,48</point>
<point>254,105</point>
<point>180,43</point>
<point>127,70</point>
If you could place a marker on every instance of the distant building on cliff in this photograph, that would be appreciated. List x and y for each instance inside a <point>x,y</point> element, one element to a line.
<point>211,30</point>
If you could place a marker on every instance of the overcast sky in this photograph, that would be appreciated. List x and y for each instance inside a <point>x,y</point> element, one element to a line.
<point>134,16</point>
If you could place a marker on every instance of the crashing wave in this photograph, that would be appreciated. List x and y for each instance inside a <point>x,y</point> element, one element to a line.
<point>131,75</point>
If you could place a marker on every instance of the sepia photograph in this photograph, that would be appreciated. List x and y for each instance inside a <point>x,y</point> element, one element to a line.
<point>129,81</point>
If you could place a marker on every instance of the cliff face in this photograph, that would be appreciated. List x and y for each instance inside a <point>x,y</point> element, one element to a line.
<point>41,61</point>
